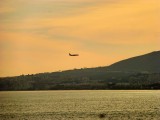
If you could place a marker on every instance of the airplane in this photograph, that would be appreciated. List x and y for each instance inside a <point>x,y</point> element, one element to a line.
<point>73,54</point>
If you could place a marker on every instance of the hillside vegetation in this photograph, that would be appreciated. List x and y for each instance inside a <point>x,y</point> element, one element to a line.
<point>142,72</point>
<point>148,63</point>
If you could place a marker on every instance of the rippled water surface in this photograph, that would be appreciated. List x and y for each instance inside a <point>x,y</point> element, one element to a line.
<point>80,105</point>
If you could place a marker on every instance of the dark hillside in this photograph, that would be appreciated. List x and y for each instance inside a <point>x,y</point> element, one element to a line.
<point>141,72</point>
<point>145,63</point>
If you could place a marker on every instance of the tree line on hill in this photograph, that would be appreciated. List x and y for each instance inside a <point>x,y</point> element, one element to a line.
<point>140,72</point>
<point>82,79</point>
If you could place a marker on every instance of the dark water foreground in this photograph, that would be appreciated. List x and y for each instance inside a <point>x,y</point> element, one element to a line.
<point>80,105</point>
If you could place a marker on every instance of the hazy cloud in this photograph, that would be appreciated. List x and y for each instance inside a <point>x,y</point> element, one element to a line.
<point>37,35</point>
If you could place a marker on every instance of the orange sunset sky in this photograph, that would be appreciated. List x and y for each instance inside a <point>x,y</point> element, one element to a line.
<point>37,35</point>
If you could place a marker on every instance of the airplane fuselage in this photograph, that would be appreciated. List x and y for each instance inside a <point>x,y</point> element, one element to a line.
<point>73,54</point>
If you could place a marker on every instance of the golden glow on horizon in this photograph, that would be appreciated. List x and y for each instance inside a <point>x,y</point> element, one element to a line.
<point>36,36</point>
